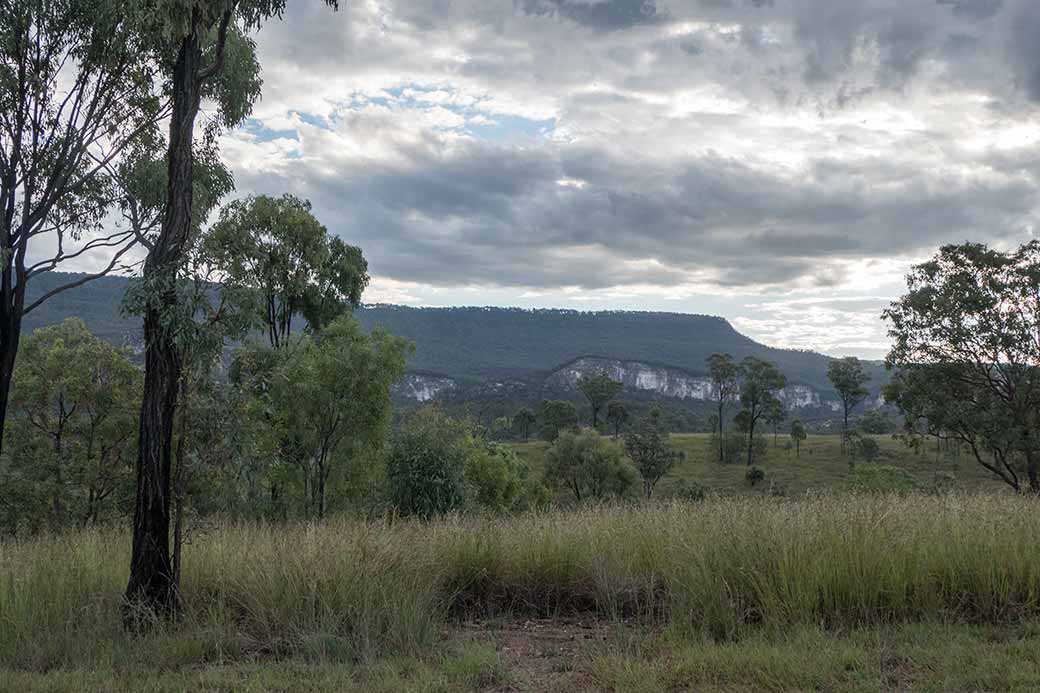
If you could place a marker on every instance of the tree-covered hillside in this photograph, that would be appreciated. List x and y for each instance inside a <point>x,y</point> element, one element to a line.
<point>481,343</point>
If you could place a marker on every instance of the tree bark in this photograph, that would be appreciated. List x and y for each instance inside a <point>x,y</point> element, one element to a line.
<point>152,580</point>
<point>10,335</point>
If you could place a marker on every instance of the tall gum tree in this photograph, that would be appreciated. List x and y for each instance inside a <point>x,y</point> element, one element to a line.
<point>203,45</point>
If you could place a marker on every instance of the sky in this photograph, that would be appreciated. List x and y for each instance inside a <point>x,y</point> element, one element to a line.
<point>781,163</point>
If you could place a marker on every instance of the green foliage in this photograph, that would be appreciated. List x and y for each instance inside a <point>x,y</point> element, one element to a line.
<point>426,468</point>
<point>725,386</point>
<point>760,386</point>
<point>967,355</point>
<point>588,466</point>
<point>881,478</point>
<point>876,422</point>
<point>798,436</point>
<point>524,420</point>
<point>496,479</point>
<point>330,400</point>
<point>598,388</point>
<point>617,416</point>
<point>848,377</point>
<point>557,416</point>
<point>754,475</point>
<point>277,248</point>
<point>689,491</point>
<point>647,446</point>
<point>73,432</point>
<point>438,464</point>
<point>863,448</point>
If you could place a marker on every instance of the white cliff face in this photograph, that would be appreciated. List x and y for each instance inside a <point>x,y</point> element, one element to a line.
<point>636,375</point>
<point>423,388</point>
<point>668,382</point>
<point>799,397</point>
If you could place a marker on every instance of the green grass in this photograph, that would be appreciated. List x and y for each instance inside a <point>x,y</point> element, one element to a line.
<point>740,593</point>
<point>820,465</point>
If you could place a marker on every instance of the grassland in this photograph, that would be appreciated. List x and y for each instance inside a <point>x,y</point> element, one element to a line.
<point>834,592</point>
<point>819,466</point>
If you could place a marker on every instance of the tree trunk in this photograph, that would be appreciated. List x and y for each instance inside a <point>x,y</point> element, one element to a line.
<point>151,583</point>
<point>10,335</point>
<point>751,442</point>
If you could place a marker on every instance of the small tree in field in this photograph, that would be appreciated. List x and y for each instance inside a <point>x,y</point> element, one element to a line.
<point>524,420</point>
<point>647,446</point>
<point>588,465</point>
<point>848,377</point>
<point>557,416</point>
<point>775,416</point>
<point>761,384</point>
<point>798,435</point>
<point>725,384</point>
<point>598,388</point>
<point>617,415</point>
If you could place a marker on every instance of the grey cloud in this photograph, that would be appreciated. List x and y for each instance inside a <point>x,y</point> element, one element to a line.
<point>653,186</point>
<point>600,15</point>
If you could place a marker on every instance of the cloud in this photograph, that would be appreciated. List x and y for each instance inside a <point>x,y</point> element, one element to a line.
<point>629,147</point>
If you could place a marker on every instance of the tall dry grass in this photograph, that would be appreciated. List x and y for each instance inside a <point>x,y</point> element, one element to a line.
<point>352,590</point>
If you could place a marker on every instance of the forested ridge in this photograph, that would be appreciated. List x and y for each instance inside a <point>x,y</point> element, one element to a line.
<point>482,343</point>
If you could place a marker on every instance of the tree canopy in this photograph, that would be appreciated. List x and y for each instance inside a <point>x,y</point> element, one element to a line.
<point>966,355</point>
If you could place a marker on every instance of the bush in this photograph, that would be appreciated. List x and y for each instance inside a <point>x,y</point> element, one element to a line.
<point>882,478</point>
<point>426,470</point>
<point>754,475</point>
<point>439,464</point>
<point>588,466</point>
<point>863,448</point>
<point>689,491</point>
<point>495,476</point>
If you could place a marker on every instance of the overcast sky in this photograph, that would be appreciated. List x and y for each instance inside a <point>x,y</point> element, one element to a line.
<point>780,163</point>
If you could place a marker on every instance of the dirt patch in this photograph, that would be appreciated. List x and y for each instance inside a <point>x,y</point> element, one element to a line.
<point>542,654</point>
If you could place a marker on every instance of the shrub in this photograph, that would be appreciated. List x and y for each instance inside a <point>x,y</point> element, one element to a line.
<point>495,476</point>
<point>689,490</point>
<point>426,470</point>
<point>588,465</point>
<point>863,448</point>
<point>754,475</point>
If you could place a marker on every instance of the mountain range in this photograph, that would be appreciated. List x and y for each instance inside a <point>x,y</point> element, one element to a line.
<point>516,356</point>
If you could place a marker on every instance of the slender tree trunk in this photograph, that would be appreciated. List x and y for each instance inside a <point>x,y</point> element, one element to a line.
<point>751,442</point>
<point>10,334</point>
<point>151,583</point>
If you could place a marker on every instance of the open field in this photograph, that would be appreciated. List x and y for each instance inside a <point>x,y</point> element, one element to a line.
<point>838,593</point>
<point>820,465</point>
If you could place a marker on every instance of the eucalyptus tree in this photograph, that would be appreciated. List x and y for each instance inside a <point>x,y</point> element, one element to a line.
<point>617,415</point>
<point>277,247</point>
<point>848,377</point>
<point>524,419</point>
<point>759,391</point>
<point>598,388</point>
<point>798,436</point>
<point>967,357</point>
<point>202,48</point>
<point>78,90</point>
<point>334,396</point>
<point>648,447</point>
<point>725,386</point>
<point>73,433</point>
